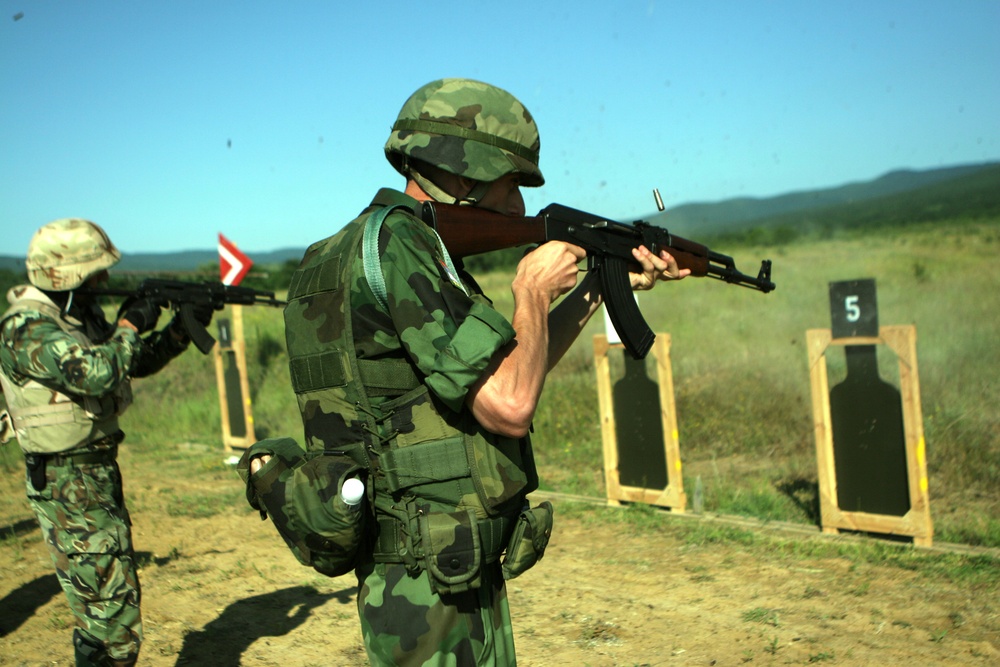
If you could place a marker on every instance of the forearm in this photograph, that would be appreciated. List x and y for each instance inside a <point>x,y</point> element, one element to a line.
<point>505,398</point>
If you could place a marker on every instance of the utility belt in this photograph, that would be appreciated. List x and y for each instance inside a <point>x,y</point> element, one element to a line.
<point>393,545</point>
<point>37,463</point>
<point>454,546</point>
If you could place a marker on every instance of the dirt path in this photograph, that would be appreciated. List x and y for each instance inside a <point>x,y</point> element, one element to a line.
<point>224,591</point>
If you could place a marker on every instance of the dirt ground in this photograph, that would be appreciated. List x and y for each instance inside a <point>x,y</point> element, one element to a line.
<point>223,590</point>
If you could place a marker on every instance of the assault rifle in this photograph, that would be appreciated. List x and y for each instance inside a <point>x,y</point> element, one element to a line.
<point>184,296</point>
<point>466,231</point>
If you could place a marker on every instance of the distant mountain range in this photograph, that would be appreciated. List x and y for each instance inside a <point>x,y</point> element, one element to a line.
<point>175,262</point>
<point>898,197</point>
<point>898,194</point>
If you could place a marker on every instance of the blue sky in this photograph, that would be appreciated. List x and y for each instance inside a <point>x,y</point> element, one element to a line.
<point>122,112</point>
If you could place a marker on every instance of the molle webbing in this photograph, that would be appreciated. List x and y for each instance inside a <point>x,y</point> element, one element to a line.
<point>320,278</point>
<point>493,535</point>
<point>387,377</point>
<point>425,463</point>
<point>39,415</point>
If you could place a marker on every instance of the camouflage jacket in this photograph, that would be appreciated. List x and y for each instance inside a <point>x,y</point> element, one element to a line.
<point>402,373</point>
<point>66,378</point>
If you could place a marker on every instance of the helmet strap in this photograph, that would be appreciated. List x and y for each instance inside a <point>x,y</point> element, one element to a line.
<point>428,186</point>
<point>476,194</point>
<point>472,198</point>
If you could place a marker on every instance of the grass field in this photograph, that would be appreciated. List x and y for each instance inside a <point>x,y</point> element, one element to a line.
<point>740,374</point>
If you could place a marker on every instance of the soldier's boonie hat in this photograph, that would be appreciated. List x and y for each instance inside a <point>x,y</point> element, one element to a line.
<point>64,253</point>
<point>468,128</point>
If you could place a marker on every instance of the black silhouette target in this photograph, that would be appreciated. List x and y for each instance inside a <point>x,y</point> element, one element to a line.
<point>869,439</point>
<point>642,461</point>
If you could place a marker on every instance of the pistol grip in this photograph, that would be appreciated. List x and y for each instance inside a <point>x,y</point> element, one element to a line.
<point>199,335</point>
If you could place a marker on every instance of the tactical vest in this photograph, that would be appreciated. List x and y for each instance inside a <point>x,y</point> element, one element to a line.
<point>46,420</point>
<point>446,492</point>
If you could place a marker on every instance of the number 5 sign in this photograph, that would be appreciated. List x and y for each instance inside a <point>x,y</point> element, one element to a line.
<point>853,309</point>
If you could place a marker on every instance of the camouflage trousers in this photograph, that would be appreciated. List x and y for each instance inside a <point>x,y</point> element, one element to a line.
<point>87,528</point>
<point>405,624</point>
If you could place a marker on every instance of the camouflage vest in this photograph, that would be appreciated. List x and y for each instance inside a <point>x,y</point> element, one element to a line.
<point>445,491</point>
<point>46,420</point>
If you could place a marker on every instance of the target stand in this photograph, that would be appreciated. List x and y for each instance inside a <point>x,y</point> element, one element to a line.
<point>642,462</point>
<point>836,512</point>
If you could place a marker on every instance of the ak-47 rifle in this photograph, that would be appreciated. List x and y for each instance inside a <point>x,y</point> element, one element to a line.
<point>184,296</point>
<point>467,230</point>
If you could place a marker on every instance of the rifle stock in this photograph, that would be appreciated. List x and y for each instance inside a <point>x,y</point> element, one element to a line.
<point>467,231</point>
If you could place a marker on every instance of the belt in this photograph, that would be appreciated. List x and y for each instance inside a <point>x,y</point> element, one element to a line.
<point>82,457</point>
<point>493,537</point>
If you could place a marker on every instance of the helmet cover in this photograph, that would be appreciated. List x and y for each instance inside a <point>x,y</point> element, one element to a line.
<point>64,253</point>
<point>467,128</point>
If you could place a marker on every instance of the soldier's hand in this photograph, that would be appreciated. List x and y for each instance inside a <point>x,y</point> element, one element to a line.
<point>550,270</point>
<point>142,314</point>
<point>203,312</point>
<point>654,268</point>
<point>257,462</point>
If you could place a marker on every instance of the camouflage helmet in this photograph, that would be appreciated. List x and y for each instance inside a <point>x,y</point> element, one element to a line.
<point>467,128</point>
<point>64,253</point>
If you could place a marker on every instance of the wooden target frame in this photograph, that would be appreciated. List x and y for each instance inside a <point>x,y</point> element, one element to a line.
<point>234,352</point>
<point>673,495</point>
<point>916,523</point>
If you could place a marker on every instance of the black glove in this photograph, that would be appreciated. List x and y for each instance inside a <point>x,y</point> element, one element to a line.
<point>203,313</point>
<point>142,313</point>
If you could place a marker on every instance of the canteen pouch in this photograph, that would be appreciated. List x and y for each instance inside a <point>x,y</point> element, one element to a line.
<point>452,551</point>
<point>528,541</point>
<point>300,492</point>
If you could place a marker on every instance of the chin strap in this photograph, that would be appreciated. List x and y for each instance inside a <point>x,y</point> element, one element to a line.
<point>428,186</point>
<point>473,198</point>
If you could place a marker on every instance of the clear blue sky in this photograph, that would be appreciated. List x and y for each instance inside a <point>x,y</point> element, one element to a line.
<point>120,112</point>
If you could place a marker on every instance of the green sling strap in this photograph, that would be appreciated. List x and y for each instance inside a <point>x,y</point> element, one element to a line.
<point>373,262</point>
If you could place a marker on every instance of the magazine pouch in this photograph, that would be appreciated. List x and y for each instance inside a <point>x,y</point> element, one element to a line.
<point>528,541</point>
<point>452,550</point>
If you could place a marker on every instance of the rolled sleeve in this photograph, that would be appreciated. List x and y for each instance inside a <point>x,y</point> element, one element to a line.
<point>448,332</point>
<point>468,354</point>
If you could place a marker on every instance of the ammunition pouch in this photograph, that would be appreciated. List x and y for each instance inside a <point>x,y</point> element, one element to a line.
<point>528,541</point>
<point>38,464</point>
<point>452,551</point>
<point>451,546</point>
<point>300,491</point>
<point>36,470</point>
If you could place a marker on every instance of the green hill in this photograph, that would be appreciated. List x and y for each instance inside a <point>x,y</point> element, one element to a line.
<point>971,197</point>
<point>712,219</point>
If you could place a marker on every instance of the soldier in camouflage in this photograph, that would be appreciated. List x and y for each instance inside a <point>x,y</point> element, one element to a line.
<point>66,374</point>
<point>408,378</point>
